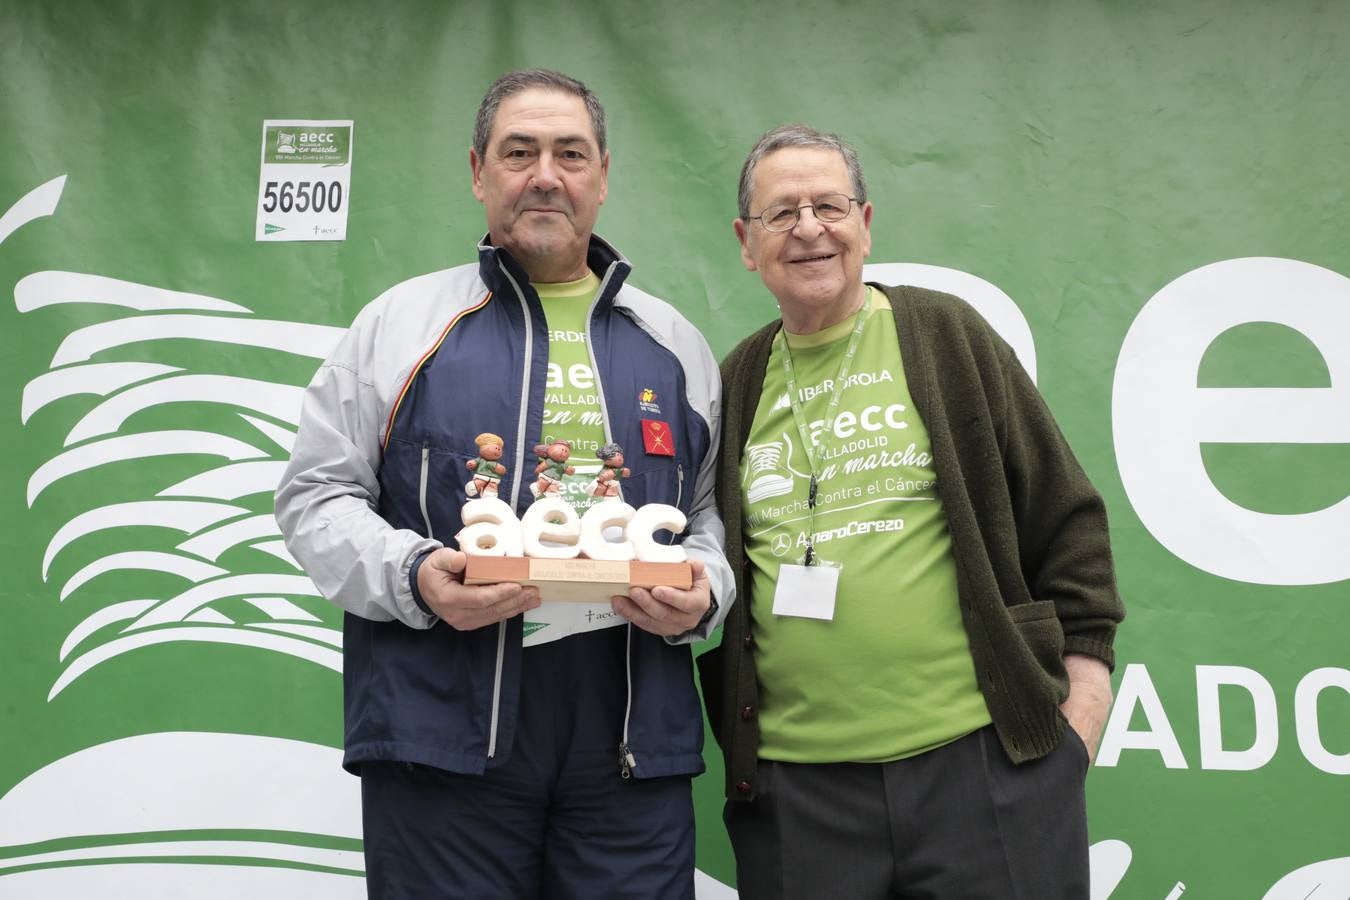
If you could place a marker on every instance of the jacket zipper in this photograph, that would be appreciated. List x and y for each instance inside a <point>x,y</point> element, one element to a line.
<point>515,491</point>
<point>627,762</point>
<point>422,489</point>
<point>679,493</point>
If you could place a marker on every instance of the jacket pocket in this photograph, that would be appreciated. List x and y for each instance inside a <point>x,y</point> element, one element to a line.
<point>442,488</point>
<point>422,487</point>
<point>709,664</point>
<point>1038,624</point>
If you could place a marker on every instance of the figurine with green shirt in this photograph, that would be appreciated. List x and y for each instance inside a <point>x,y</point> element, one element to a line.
<point>612,471</point>
<point>916,673</point>
<point>552,467</point>
<point>487,470</point>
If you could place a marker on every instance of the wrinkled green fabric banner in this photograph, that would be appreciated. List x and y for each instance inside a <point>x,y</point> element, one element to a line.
<point>1149,201</point>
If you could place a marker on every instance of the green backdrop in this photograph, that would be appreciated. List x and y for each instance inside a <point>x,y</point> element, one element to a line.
<point>1161,190</point>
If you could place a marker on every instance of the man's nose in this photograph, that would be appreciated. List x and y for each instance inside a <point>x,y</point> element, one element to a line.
<point>808,226</point>
<point>545,176</point>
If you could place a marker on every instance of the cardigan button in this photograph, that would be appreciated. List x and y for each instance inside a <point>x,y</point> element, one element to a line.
<point>748,641</point>
<point>747,713</point>
<point>743,787</point>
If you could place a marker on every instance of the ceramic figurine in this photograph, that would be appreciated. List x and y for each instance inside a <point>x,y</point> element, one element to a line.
<point>606,483</point>
<point>487,471</point>
<point>552,467</point>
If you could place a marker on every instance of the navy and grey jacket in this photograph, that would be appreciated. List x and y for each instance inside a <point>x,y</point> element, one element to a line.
<point>377,475</point>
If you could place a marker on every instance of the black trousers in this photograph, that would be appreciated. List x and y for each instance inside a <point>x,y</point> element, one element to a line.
<point>554,820</point>
<point>960,821</point>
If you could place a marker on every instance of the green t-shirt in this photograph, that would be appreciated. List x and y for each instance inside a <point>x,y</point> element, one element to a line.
<point>571,413</point>
<point>571,395</point>
<point>890,675</point>
<point>486,468</point>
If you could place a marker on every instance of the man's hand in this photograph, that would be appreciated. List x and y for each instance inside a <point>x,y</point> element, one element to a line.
<point>1089,698</point>
<point>667,611</point>
<point>466,607</point>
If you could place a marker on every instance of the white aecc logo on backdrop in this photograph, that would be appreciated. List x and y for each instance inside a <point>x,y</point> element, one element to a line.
<point>1161,418</point>
<point>126,518</point>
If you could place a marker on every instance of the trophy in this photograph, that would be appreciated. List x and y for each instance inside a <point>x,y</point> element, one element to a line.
<point>570,557</point>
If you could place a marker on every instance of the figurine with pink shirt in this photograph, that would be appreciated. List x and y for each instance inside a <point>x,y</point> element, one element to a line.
<point>606,483</point>
<point>553,455</point>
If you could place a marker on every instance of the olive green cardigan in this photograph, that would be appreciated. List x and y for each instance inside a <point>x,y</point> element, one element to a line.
<point>1029,535</point>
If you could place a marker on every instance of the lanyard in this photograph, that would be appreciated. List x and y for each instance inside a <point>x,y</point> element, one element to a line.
<point>845,365</point>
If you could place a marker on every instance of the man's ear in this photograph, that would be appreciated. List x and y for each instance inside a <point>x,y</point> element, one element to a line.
<point>743,235</point>
<point>476,167</point>
<point>604,176</point>
<point>867,230</point>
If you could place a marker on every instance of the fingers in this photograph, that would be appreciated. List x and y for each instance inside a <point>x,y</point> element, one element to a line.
<point>439,570</point>
<point>666,611</point>
<point>1087,719</point>
<point>467,607</point>
<point>628,608</point>
<point>698,594</point>
<point>1089,734</point>
<point>502,601</point>
<point>445,561</point>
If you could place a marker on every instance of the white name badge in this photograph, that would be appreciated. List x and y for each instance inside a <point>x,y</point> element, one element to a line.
<point>806,591</point>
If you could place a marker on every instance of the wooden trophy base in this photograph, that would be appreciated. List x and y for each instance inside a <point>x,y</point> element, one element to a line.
<point>577,580</point>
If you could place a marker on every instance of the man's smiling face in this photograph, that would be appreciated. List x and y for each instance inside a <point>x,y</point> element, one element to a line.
<point>814,268</point>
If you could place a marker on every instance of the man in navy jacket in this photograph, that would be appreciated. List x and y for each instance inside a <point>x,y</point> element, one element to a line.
<point>495,762</point>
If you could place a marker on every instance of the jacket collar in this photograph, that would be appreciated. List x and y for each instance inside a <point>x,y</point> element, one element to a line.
<point>602,258</point>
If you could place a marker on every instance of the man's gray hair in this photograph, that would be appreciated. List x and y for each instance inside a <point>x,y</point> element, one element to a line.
<point>542,79</point>
<point>799,136</point>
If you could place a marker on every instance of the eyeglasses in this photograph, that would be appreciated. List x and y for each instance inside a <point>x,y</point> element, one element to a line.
<point>829,208</point>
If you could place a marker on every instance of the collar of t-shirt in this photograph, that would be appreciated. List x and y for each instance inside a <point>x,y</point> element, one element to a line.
<point>839,330</point>
<point>585,286</point>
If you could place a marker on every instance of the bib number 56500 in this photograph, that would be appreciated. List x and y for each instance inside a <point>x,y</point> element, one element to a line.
<point>306,196</point>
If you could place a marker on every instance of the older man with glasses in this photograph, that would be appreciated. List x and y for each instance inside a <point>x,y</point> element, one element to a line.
<point>909,692</point>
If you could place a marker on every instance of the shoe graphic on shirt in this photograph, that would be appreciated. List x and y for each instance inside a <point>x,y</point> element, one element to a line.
<point>768,476</point>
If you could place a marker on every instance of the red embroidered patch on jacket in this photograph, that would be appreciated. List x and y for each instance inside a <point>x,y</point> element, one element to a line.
<point>656,438</point>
